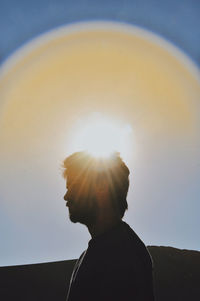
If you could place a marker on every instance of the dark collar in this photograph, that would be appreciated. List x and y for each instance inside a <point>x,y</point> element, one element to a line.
<point>111,235</point>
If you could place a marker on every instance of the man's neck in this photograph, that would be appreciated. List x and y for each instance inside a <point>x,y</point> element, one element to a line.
<point>103,225</point>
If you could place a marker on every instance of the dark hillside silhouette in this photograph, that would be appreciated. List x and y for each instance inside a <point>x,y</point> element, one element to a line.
<point>177,277</point>
<point>45,281</point>
<point>177,273</point>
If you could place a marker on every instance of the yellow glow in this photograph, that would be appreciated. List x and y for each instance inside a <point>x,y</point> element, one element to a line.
<point>117,70</point>
<point>101,136</point>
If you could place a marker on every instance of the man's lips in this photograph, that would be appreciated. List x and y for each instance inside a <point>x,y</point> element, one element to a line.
<point>68,203</point>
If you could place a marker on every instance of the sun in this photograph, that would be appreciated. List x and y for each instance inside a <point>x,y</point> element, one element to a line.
<point>101,136</point>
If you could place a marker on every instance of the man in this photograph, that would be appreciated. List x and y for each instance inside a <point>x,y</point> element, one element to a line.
<point>116,265</point>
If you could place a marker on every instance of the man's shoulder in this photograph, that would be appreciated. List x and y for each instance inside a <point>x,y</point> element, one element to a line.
<point>132,245</point>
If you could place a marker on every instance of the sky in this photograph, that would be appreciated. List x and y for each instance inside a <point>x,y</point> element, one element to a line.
<point>146,76</point>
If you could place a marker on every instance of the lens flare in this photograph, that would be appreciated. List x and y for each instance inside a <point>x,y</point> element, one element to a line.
<point>101,136</point>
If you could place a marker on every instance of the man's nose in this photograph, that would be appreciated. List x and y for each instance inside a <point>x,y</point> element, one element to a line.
<point>65,196</point>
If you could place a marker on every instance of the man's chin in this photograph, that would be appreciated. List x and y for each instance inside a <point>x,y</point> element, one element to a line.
<point>72,218</point>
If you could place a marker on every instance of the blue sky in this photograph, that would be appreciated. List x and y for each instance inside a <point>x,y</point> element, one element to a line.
<point>177,21</point>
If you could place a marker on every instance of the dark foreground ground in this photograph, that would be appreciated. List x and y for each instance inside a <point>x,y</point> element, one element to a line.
<point>177,277</point>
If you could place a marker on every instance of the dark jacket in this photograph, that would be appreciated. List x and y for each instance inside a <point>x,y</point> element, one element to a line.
<point>116,266</point>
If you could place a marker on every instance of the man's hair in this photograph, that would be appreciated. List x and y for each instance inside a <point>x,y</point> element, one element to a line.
<point>113,169</point>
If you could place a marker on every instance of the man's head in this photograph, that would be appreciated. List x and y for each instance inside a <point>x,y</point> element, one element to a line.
<point>93,183</point>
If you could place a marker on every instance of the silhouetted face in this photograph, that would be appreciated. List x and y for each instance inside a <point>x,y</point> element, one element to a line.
<point>80,199</point>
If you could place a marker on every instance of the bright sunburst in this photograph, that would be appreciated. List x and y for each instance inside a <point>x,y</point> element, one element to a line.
<point>101,136</point>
